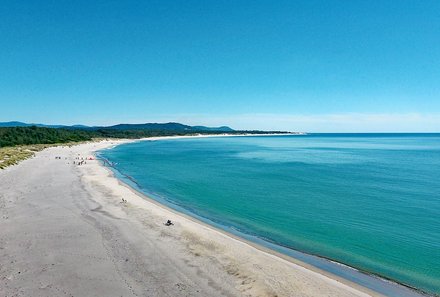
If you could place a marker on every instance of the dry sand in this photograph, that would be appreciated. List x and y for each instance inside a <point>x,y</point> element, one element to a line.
<point>65,232</point>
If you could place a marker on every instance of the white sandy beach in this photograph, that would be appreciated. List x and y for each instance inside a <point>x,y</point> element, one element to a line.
<point>65,232</point>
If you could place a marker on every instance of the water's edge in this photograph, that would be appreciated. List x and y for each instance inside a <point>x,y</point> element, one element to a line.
<point>375,282</point>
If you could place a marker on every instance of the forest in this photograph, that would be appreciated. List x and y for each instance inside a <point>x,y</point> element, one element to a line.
<point>11,136</point>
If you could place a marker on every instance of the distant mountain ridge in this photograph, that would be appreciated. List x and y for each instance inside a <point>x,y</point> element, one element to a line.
<point>146,126</point>
<point>21,124</point>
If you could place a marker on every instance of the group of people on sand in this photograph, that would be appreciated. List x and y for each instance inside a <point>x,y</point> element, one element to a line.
<point>81,160</point>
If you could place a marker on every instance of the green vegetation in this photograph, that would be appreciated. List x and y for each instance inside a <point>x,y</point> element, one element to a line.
<point>36,135</point>
<point>144,133</point>
<point>11,136</point>
<point>19,143</point>
<point>13,155</point>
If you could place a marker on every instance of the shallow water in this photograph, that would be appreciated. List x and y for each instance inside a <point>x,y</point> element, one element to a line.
<point>369,201</point>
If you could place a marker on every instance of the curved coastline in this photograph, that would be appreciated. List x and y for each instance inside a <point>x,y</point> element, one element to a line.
<point>363,280</point>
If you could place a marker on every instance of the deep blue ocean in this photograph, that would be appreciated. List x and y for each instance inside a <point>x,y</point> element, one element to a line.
<point>371,201</point>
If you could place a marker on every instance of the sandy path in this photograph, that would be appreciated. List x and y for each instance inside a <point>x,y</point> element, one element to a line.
<point>65,232</point>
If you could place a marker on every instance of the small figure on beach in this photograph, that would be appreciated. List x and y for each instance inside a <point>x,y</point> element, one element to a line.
<point>124,200</point>
<point>169,223</point>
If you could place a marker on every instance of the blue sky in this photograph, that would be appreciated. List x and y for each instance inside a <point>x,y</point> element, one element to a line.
<point>328,66</point>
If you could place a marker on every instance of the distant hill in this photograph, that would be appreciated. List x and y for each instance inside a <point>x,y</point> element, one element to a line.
<point>14,124</point>
<point>222,128</point>
<point>152,126</point>
<point>21,124</point>
<point>177,127</point>
<point>168,127</point>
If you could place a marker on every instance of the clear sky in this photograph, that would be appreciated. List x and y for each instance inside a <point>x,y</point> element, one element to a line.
<point>329,66</point>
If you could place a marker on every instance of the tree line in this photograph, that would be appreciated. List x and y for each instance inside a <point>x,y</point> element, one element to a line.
<point>11,136</point>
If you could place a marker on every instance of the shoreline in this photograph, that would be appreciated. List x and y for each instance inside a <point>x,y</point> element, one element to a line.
<point>368,282</point>
<point>66,231</point>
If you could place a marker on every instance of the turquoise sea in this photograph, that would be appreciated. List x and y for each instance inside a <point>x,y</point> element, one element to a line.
<point>370,201</point>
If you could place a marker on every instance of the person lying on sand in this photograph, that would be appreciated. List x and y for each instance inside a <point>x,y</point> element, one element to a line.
<point>168,223</point>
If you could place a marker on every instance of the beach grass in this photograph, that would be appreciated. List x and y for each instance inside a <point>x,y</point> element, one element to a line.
<point>12,155</point>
